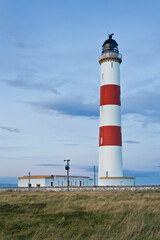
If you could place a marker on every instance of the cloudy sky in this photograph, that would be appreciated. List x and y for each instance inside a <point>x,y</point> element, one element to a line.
<point>50,79</point>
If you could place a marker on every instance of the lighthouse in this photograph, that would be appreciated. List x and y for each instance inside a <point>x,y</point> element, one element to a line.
<point>110,133</point>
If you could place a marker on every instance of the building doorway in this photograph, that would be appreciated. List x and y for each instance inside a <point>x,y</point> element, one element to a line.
<point>80,183</point>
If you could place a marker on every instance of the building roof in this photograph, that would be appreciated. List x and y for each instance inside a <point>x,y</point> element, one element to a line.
<point>49,176</point>
<point>110,41</point>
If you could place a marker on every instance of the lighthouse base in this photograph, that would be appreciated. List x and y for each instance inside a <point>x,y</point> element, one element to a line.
<point>116,181</point>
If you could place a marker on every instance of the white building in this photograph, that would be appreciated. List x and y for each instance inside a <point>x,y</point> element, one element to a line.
<point>54,181</point>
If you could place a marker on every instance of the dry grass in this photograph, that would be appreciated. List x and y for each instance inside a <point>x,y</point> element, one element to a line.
<point>79,216</point>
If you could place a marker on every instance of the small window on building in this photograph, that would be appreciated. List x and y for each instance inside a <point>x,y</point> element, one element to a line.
<point>101,140</point>
<point>111,64</point>
<point>62,183</point>
<point>75,183</point>
<point>58,183</point>
<point>106,174</point>
<point>51,184</point>
<point>102,76</point>
<point>87,183</point>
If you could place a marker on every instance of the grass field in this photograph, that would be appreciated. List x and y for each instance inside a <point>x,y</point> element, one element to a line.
<point>80,215</point>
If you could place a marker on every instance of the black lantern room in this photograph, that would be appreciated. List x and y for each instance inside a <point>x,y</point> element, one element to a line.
<point>110,45</point>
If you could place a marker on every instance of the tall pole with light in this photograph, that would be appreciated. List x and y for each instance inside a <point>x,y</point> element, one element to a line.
<point>67,167</point>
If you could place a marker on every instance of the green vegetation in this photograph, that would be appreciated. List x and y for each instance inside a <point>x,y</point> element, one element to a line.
<point>80,215</point>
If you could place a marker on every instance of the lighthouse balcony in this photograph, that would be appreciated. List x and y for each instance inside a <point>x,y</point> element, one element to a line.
<point>111,56</point>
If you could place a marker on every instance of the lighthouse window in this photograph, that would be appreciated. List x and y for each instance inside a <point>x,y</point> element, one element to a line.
<point>102,76</point>
<point>106,174</point>
<point>101,140</point>
<point>111,64</point>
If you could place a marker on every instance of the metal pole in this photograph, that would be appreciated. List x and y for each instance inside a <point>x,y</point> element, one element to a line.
<point>29,180</point>
<point>67,167</point>
<point>94,175</point>
<point>68,174</point>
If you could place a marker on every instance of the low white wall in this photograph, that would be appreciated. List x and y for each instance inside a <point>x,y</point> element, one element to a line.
<point>117,182</point>
<point>82,189</point>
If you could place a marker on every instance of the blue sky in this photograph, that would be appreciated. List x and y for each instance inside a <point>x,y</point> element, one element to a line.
<point>50,79</point>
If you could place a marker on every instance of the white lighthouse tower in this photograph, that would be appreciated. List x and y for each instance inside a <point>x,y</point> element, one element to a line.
<point>110,138</point>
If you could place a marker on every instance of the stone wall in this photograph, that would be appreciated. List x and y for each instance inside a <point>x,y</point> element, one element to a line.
<point>81,189</point>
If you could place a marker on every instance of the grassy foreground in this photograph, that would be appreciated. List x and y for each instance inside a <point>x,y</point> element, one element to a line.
<point>80,215</point>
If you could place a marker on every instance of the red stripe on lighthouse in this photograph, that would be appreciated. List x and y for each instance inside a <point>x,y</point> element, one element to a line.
<point>110,135</point>
<point>110,94</point>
